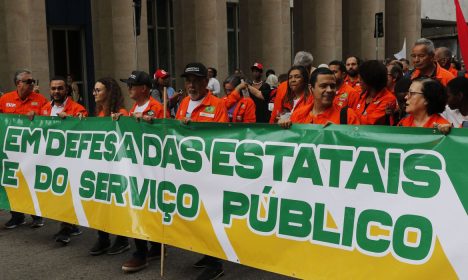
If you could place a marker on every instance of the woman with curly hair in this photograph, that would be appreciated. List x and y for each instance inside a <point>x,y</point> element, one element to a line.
<point>109,102</point>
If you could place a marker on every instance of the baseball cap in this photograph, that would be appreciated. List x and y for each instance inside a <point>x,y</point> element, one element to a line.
<point>257,65</point>
<point>161,73</point>
<point>195,68</point>
<point>138,78</point>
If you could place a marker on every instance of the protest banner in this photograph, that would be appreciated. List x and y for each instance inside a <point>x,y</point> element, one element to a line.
<point>309,202</point>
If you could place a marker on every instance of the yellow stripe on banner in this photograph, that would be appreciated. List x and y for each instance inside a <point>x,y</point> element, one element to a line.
<point>197,235</point>
<point>58,207</point>
<point>305,260</point>
<point>331,224</point>
<point>20,198</point>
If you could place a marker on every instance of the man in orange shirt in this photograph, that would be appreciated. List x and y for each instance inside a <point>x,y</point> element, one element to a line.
<point>323,110</point>
<point>202,106</point>
<point>423,57</point>
<point>345,94</point>
<point>22,101</point>
<point>443,56</point>
<point>352,73</point>
<point>61,105</point>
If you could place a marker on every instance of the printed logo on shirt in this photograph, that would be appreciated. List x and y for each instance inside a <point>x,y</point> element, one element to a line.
<point>34,103</point>
<point>210,109</point>
<point>150,113</point>
<point>242,106</point>
<point>10,105</point>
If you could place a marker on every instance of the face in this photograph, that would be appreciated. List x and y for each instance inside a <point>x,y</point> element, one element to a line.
<point>296,81</point>
<point>324,90</point>
<point>256,74</point>
<point>100,93</point>
<point>390,79</point>
<point>136,92</point>
<point>441,59</point>
<point>25,84</point>
<point>228,88</point>
<point>164,81</point>
<point>338,74</point>
<point>352,66</point>
<point>210,73</point>
<point>415,101</point>
<point>58,91</point>
<point>420,57</point>
<point>196,87</point>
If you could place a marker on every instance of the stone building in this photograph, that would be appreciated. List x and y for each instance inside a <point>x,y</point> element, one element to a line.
<point>95,38</point>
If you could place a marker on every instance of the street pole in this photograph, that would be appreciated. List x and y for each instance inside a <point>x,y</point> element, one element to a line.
<point>135,35</point>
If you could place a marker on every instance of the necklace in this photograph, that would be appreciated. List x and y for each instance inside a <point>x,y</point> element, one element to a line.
<point>257,83</point>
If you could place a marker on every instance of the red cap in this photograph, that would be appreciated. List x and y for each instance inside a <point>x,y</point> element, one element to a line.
<point>257,65</point>
<point>160,73</point>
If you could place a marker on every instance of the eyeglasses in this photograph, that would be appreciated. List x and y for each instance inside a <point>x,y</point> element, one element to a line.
<point>413,93</point>
<point>28,81</point>
<point>59,88</point>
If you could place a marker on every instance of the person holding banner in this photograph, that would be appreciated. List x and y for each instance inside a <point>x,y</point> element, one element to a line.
<point>147,108</point>
<point>109,100</point>
<point>323,109</point>
<point>62,105</point>
<point>425,101</point>
<point>202,106</point>
<point>25,100</point>
<point>241,108</point>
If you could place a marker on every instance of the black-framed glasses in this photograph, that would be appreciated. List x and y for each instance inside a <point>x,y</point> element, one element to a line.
<point>413,93</point>
<point>97,90</point>
<point>28,81</point>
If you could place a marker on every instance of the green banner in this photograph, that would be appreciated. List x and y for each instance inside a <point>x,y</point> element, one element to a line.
<point>310,201</point>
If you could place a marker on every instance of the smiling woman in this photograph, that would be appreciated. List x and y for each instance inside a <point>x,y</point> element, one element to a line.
<point>425,100</point>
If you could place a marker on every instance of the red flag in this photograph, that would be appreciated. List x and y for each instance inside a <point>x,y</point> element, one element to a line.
<point>462,32</point>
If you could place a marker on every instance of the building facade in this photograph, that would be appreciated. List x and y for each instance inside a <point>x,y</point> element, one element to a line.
<point>95,38</point>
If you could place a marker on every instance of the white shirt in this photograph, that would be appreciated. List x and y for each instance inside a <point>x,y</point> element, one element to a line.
<point>57,109</point>
<point>192,105</point>
<point>454,116</point>
<point>214,86</point>
<point>140,109</point>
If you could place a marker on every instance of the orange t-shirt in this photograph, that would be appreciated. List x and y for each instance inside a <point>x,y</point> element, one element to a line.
<point>375,112</point>
<point>356,84</point>
<point>154,109</point>
<point>244,111</point>
<point>11,103</point>
<point>346,95</point>
<point>435,118</point>
<point>453,71</point>
<point>71,108</point>
<point>277,105</point>
<point>212,109</point>
<point>332,114</point>
<point>121,111</point>
<point>440,74</point>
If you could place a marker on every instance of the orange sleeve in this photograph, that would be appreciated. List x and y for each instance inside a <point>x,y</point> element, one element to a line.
<point>376,115</point>
<point>182,108</point>
<point>280,93</point>
<point>221,114</point>
<point>157,109</point>
<point>249,115</point>
<point>353,118</point>
<point>78,109</point>
<point>232,99</point>
<point>353,98</point>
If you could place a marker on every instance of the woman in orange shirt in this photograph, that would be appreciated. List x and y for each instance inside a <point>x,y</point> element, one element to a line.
<point>425,100</point>
<point>296,97</point>
<point>241,108</point>
<point>109,102</point>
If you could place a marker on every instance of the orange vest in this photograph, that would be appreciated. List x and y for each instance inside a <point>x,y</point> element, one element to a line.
<point>154,109</point>
<point>11,103</point>
<point>71,108</point>
<point>244,112</point>
<point>356,84</point>
<point>212,109</point>
<point>435,118</point>
<point>346,95</point>
<point>440,74</point>
<point>375,112</point>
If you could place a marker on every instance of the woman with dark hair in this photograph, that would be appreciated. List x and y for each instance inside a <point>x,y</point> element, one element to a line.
<point>375,99</point>
<point>240,107</point>
<point>109,102</point>
<point>297,95</point>
<point>425,100</point>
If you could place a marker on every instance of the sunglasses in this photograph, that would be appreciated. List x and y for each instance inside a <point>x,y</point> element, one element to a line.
<point>28,81</point>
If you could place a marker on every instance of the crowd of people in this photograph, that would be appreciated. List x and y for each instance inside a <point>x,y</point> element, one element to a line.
<point>432,95</point>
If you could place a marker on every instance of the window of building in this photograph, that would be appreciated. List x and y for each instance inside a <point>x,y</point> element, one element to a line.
<point>233,35</point>
<point>161,35</point>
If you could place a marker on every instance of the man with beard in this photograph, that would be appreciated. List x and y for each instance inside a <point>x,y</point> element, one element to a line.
<point>345,94</point>
<point>352,70</point>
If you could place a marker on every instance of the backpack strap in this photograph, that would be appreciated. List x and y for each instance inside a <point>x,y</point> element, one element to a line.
<point>344,115</point>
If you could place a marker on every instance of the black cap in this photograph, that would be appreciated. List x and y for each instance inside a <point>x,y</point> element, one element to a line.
<point>138,78</point>
<point>195,68</point>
